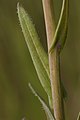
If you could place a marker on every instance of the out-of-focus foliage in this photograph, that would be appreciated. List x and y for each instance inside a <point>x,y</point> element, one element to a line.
<point>16,68</point>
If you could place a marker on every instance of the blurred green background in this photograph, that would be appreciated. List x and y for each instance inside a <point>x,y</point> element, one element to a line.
<point>16,67</point>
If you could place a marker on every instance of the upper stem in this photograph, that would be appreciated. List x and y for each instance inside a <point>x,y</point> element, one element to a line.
<point>53,62</point>
<point>49,20</point>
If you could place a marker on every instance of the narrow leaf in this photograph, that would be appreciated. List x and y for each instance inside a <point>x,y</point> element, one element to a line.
<point>61,29</point>
<point>45,107</point>
<point>78,116</point>
<point>38,55</point>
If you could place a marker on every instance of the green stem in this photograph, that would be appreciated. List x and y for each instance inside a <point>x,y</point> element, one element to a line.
<point>54,61</point>
<point>56,85</point>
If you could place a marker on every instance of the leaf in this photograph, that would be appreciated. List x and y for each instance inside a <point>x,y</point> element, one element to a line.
<point>78,116</point>
<point>61,29</point>
<point>38,55</point>
<point>45,107</point>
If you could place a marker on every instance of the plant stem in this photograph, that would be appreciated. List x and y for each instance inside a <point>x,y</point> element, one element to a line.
<point>54,61</point>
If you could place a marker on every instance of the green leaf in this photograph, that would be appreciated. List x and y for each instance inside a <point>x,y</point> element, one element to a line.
<point>61,29</point>
<point>78,116</point>
<point>45,107</point>
<point>38,55</point>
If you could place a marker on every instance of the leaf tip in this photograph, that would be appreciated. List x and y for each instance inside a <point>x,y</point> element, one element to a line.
<point>20,9</point>
<point>18,5</point>
<point>30,86</point>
